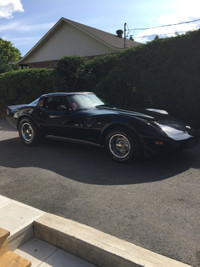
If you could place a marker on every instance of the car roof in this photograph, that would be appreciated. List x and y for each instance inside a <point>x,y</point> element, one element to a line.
<point>66,93</point>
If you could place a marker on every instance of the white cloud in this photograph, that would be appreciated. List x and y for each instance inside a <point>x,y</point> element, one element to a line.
<point>7,7</point>
<point>9,26</point>
<point>43,26</point>
<point>187,11</point>
<point>20,26</point>
<point>21,41</point>
<point>164,32</point>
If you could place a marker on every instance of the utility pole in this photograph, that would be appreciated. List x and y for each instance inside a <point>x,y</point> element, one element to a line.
<point>125,35</point>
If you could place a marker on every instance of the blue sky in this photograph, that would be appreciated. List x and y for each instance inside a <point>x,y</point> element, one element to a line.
<point>24,22</point>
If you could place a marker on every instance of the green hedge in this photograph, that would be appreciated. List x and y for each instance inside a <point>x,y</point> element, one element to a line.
<point>23,86</point>
<point>83,74</point>
<point>161,74</point>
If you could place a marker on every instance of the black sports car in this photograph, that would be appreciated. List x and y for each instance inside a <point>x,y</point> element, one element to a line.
<point>84,116</point>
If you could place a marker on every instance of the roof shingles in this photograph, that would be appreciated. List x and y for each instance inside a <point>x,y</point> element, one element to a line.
<point>108,38</point>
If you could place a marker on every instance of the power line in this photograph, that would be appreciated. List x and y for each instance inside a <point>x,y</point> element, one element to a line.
<point>163,34</point>
<point>168,25</point>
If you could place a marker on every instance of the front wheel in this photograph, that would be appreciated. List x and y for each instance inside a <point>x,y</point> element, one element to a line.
<point>122,145</point>
<point>28,132</point>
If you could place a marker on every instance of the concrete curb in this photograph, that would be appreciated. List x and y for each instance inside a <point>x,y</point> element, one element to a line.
<point>25,222</point>
<point>95,246</point>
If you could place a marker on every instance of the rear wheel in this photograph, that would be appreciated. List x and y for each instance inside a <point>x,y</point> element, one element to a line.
<point>29,132</point>
<point>122,145</point>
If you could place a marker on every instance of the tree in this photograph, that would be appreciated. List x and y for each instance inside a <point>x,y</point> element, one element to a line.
<point>8,55</point>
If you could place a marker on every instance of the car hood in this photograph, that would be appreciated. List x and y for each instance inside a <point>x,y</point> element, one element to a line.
<point>149,115</point>
<point>161,120</point>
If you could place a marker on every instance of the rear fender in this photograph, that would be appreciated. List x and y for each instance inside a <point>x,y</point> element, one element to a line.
<point>24,116</point>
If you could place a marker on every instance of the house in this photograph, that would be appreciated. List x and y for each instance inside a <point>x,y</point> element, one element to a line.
<point>68,38</point>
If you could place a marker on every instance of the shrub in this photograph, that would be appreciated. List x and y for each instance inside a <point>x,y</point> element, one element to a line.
<point>70,69</point>
<point>161,74</point>
<point>23,86</point>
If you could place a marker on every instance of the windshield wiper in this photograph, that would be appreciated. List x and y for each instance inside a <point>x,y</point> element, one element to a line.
<point>98,106</point>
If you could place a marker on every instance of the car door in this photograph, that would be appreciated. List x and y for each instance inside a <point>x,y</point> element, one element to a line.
<point>57,117</point>
<point>54,116</point>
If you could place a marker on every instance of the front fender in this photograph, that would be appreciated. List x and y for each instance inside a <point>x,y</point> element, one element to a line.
<point>113,125</point>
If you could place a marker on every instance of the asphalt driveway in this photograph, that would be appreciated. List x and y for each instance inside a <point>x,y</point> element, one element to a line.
<point>153,203</point>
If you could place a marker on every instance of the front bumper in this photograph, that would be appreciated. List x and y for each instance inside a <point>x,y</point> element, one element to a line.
<point>163,145</point>
<point>171,135</point>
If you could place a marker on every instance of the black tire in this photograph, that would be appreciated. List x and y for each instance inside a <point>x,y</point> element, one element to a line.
<point>29,132</point>
<point>122,145</point>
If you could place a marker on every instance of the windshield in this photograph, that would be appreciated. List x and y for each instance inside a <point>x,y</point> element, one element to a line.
<point>82,101</point>
<point>34,103</point>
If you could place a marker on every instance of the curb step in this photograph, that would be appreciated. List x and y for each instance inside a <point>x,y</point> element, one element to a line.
<point>22,236</point>
<point>95,246</point>
<point>68,238</point>
<point>18,219</point>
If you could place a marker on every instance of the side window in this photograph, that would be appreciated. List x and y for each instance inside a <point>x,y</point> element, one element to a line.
<point>40,102</point>
<point>54,102</point>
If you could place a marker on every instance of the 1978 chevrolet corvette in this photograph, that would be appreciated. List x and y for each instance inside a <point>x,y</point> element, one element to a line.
<point>83,116</point>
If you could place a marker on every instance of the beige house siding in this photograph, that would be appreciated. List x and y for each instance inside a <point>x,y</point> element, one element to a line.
<point>69,41</point>
<point>68,38</point>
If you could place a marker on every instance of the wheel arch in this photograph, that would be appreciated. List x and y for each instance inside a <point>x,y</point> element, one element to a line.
<point>25,116</point>
<point>115,126</point>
